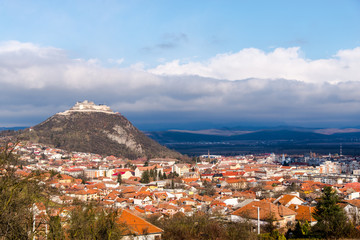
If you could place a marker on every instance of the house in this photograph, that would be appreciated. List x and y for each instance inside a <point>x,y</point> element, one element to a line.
<point>139,170</point>
<point>163,161</point>
<point>281,215</point>
<point>137,227</point>
<point>87,195</point>
<point>235,183</point>
<point>125,173</point>
<point>142,200</point>
<point>289,199</point>
<point>75,172</point>
<point>304,213</point>
<point>94,173</point>
<point>352,208</point>
<point>181,169</point>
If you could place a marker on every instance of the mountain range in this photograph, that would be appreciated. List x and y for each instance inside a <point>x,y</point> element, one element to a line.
<point>249,140</point>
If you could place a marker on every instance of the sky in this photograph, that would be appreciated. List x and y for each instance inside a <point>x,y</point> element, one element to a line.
<point>183,64</point>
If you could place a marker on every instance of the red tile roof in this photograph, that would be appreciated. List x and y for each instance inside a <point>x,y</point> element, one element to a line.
<point>304,213</point>
<point>267,210</point>
<point>137,225</point>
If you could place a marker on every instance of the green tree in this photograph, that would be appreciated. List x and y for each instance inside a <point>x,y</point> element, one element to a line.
<point>160,176</point>
<point>145,177</point>
<point>332,219</point>
<point>152,173</point>
<point>302,229</point>
<point>273,235</point>
<point>119,178</point>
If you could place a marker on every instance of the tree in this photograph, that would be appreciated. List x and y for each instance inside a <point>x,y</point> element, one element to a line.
<point>160,176</point>
<point>17,197</point>
<point>204,227</point>
<point>145,177</point>
<point>273,235</point>
<point>56,232</point>
<point>83,178</point>
<point>151,173</point>
<point>88,221</point>
<point>208,189</point>
<point>119,178</point>
<point>332,219</point>
<point>173,175</point>
<point>302,229</point>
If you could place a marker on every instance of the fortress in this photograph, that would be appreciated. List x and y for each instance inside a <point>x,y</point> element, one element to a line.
<point>87,106</point>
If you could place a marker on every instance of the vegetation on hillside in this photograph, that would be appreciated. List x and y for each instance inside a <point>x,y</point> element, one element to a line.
<point>89,132</point>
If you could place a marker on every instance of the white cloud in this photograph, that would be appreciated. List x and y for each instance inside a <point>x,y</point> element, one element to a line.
<point>286,63</point>
<point>250,84</point>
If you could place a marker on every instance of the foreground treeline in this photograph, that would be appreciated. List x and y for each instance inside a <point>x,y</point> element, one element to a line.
<point>203,226</point>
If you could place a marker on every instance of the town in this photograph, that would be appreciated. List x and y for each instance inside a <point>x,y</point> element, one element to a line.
<point>255,188</point>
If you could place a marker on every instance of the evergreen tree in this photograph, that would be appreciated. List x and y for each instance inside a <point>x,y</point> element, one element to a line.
<point>152,173</point>
<point>332,219</point>
<point>119,178</point>
<point>160,176</point>
<point>145,177</point>
<point>302,229</point>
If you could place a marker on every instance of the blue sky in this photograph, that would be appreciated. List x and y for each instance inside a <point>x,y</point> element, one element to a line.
<point>146,31</point>
<point>153,60</point>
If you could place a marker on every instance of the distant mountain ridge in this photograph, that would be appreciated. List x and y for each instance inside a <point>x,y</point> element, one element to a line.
<point>279,140</point>
<point>243,130</point>
<point>270,134</point>
<point>87,127</point>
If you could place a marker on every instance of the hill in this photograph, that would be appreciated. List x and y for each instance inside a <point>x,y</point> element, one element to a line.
<point>97,129</point>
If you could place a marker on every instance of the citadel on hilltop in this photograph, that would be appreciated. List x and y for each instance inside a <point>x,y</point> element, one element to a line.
<point>87,106</point>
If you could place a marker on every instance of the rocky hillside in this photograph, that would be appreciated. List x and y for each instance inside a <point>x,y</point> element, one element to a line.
<point>92,128</point>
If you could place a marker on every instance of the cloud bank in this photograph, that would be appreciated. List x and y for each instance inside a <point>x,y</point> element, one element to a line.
<point>280,63</point>
<point>247,86</point>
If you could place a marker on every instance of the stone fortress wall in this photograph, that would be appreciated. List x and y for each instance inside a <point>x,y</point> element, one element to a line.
<point>87,106</point>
